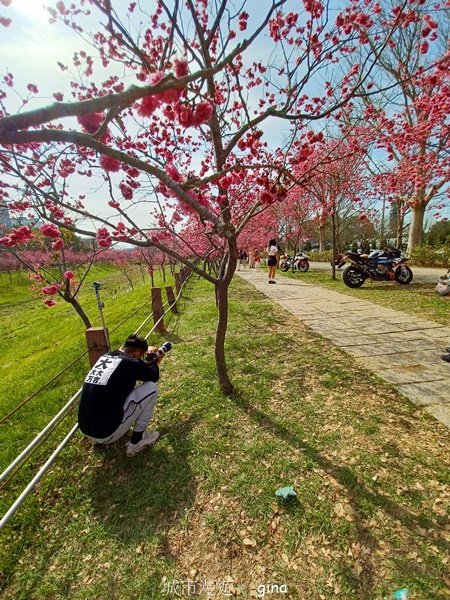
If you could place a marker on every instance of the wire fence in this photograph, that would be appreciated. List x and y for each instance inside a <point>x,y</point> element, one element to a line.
<point>47,383</point>
<point>20,460</point>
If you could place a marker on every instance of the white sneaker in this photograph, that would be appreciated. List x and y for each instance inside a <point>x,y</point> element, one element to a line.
<point>148,439</point>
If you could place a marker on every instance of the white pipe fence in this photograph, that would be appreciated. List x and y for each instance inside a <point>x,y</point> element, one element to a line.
<point>19,460</point>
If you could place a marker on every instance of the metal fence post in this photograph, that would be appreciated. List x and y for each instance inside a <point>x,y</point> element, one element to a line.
<point>100,305</point>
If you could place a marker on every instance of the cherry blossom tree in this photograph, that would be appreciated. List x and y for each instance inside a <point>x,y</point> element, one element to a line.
<point>52,269</point>
<point>262,228</point>
<point>411,124</point>
<point>189,139</point>
<point>333,182</point>
<point>296,220</point>
<point>9,264</point>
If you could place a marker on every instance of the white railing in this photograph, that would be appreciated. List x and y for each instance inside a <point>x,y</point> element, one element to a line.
<point>19,460</point>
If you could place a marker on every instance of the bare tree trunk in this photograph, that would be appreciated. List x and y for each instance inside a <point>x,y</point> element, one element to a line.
<point>335,249</point>
<point>141,268</point>
<point>383,216</point>
<point>416,229</point>
<point>399,234</point>
<point>80,312</point>
<point>322,237</point>
<point>219,345</point>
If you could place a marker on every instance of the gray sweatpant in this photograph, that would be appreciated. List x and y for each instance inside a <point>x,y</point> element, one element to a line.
<point>137,409</point>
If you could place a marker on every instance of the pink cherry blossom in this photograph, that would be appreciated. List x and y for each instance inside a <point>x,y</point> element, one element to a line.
<point>202,112</point>
<point>50,290</point>
<point>148,106</point>
<point>91,123</point>
<point>108,163</point>
<point>58,244</point>
<point>50,230</point>
<point>181,68</point>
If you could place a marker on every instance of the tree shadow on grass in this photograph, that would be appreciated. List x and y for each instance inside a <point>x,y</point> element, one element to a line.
<point>137,498</point>
<point>359,494</point>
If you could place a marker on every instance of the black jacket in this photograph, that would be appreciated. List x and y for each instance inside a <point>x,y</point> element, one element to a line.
<point>106,388</point>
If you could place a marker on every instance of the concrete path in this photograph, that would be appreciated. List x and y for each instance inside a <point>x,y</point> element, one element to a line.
<point>402,349</point>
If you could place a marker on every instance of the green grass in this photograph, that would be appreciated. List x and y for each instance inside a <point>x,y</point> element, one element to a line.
<point>371,473</point>
<point>37,342</point>
<point>418,299</point>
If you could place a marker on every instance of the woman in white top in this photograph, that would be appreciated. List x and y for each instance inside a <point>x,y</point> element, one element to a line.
<point>272,261</point>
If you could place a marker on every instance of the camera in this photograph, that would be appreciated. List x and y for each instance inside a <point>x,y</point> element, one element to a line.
<point>164,348</point>
<point>153,356</point>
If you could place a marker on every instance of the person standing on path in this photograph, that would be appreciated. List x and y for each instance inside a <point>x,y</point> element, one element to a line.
<point>257,260</point>
<point>273,253</point>
<point>251,259</point>
<point>242,258</point>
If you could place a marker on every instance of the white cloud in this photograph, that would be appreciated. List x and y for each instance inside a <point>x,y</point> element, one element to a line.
<point>30,49</point>
<point>32,10</point>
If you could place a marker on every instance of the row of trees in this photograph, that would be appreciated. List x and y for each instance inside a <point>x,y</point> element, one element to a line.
<point>58,266</point>
<point>189,144</point>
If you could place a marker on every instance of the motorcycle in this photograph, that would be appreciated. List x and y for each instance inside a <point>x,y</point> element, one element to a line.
<point>379,265</point>
<point>299,263</point>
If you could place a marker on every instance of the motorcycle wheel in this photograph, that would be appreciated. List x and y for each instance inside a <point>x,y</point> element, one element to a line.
<point>284,267</point>
<point>403,274</point>
<point>303,266</point>
<point>352,277</point>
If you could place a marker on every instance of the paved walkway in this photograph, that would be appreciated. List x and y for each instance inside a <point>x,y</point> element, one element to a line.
<point>402,349</point>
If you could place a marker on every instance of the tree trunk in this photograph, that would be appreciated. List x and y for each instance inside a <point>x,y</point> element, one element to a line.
<point>399,234</point>
<point>335,249</point>
<point>219,346</point>
<point>80,312</point>
<point>416,228</point>
<point>141,267</point>
<point>322,237</point>
<point>383,216</point>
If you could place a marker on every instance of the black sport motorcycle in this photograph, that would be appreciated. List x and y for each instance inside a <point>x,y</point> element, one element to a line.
<point>379,265</point>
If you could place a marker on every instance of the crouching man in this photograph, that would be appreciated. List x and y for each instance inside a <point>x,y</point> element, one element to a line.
<point>110,403</point>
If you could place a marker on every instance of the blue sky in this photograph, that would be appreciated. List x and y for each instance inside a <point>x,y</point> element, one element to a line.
<point>31,47</point>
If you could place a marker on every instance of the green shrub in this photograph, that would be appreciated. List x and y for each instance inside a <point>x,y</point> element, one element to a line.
<point>324,256</point>
<point>429,256</point>
<point>443,255</point>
